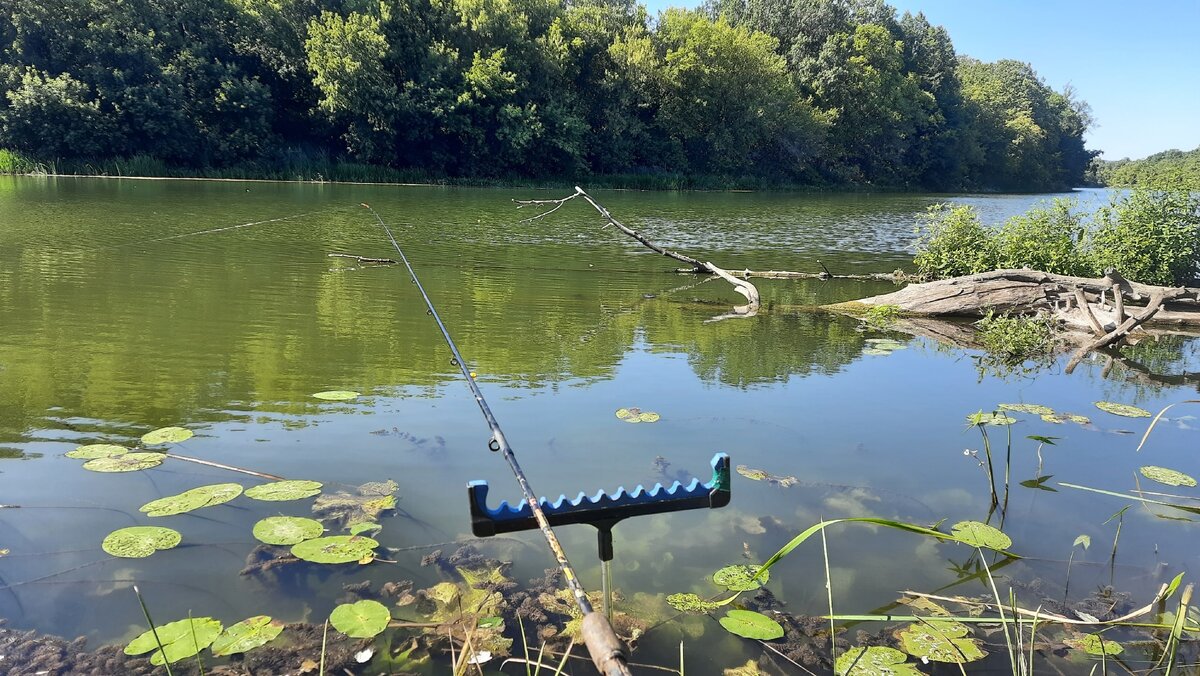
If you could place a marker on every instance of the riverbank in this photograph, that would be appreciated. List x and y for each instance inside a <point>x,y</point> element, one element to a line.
<point>305,169</point>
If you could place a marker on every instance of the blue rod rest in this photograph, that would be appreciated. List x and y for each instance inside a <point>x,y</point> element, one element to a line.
<point>601,510</point>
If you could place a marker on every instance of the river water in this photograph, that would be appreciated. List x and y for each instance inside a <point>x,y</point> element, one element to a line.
<point>115,319</point>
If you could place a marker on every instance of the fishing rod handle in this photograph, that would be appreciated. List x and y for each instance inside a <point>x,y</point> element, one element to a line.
<point>607,651</point>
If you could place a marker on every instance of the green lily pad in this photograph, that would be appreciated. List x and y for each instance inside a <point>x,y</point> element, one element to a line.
<point>337,395</point>
<point>180,639</point>
<point>752,625</point>
<point>636,415</point>
<point>1166,476</point>
<point>981,418</point>
<point>138,542</point>
<point>1123,409</point>
<point>691,603</point>
<point>93,451</point>
<point>979,534</point>
<point>126,462</point>
<point>493,622</point>
<point>1094,644</point>
<point>187,501</point>
<point>363,619</point>
<point>940,641</point>
<point>166,435</point>
<point>336,549</point>
<point>277,491</point>
<point>1035,409</point>
<point>874,661</point>
<point>876,352</point>
<point>738,578</point>
<point>247,635</point>
<point>287,530</point>
<point>365,527</point>
<point>1059,418</point>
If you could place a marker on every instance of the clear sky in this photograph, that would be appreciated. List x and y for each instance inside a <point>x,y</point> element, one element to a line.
<point>1136,63</point>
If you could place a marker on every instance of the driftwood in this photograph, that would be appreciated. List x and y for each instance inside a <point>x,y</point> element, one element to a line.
<point>364,259</point>
<point>1078,302</point>
<point>743,287</point>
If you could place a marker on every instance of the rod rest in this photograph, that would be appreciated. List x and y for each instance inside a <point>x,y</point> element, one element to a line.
<point>601,508</point>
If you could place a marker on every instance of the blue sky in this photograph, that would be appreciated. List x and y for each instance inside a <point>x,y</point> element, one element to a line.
<point>1136,63</point>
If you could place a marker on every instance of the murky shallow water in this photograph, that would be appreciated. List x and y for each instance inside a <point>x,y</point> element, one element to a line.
<point>114,322</point>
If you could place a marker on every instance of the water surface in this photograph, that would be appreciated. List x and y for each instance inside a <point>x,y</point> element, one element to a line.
<point>115,319</point>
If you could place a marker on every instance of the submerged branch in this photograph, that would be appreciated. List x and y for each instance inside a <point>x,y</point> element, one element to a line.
<point>743,287</point>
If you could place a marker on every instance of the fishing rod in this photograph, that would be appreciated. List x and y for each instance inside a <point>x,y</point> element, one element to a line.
<point>606,650</point>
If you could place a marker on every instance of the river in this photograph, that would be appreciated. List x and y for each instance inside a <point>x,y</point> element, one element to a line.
<point>128,305</point>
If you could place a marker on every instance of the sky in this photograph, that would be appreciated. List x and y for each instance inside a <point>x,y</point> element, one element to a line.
<point>1137,64</point>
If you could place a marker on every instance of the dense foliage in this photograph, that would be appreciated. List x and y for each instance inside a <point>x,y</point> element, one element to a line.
<point>1168,170</point>
<point>792,91</point>
<point>1148,236</point>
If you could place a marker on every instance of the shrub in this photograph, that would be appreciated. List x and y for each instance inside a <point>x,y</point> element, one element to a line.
<point>953,242</point>
<point>1044,238</point>
<point>1151,236</point>
<point>1016,338</point>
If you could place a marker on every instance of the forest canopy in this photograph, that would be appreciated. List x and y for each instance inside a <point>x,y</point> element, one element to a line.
<point>814,92</point>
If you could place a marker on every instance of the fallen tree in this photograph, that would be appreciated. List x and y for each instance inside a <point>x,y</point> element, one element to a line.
<point>1098,312</point>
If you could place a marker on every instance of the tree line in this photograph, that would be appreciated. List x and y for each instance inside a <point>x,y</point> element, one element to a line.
<point>1168,170</point>
<point>815,92</point>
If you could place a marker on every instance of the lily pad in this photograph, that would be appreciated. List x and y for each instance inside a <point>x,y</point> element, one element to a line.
<point>691,603</point>
<point>637,415</point>
<point>166,435</point>
<point>979,534</point>
<point>126,462</point>
<point>363,619</point>
<point>876,352</point>
<point>1059,418</point>
<point>738,578</point>
<point>337,395</point>
<point>1094,644</point>
<point>1035,409</point>
<point>1123,409</point>
<point>277,491</point>
<point>365,527</point>
<point>1166,476</point>
<point>247,635</point>
<point>336,549</point>
<point>940,641</point>
<point>341,509</point>
<point>138,542</point>
<point>180,639</point>
<point>187,501</point>
<point>752,625</point>
<point>874,661</point>
<point>287,530</point>
<point>981,418</point>
<point>93,451</point>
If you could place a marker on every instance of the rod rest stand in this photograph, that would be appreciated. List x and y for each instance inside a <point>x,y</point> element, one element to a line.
<point>601,510</point>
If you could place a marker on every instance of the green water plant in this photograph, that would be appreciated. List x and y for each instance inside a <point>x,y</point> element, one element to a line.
<point>362,619</point>
<point>637,415</point>
<point>193,499</point>
<point>287,530</point>
<point>337,395</point>
<point>1122,409</point>
<point>752,625</point>
<point>138,542</point>
<point>177,640</point>
<point>1167,477</point>
<point>247,635</point>
<point>125,462</point>
<point>336,549</point>
<point>166,435</point>
<point>278,491</point>
<point>94,451</point>
<point>874,661</point>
